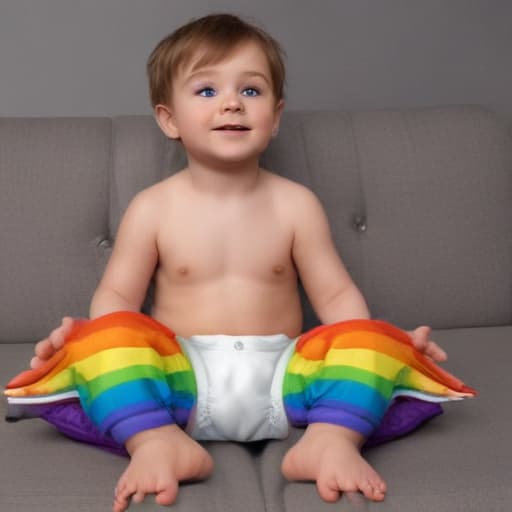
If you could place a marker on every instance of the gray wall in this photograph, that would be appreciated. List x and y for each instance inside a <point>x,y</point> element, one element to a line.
<point>87,57</point>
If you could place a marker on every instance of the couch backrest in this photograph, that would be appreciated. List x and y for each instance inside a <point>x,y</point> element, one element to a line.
<point>54,178</point>
<point>419,201</point>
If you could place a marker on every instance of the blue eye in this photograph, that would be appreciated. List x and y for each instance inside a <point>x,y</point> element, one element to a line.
<point>207,92</point>
<point>251,92</point>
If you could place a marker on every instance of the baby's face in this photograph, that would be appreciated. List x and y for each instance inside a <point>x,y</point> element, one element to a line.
<point>225,112</point>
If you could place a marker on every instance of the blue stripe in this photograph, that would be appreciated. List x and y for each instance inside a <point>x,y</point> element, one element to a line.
<point>128,394</point>
<point>339,393</point>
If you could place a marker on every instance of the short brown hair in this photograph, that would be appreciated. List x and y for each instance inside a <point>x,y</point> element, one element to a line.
<point>216,35</point>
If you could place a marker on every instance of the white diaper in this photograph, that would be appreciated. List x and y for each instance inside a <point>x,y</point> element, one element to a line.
<point>239,386</point>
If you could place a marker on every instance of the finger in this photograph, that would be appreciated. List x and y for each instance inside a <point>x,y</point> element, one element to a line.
<point>67,325</point>
<point>44,349</point>
<point>36,363</point>
<point>420,338</point>
<point>436,352</point>
<point>427,346</point>
<point>57,338</point>
<point>61,334</point>
<point>423,332</point>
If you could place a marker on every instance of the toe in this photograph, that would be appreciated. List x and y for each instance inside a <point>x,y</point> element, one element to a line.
<point>374,491</point>
<point>138,497</point>
<point>120,504</point>
<point>167,496</point>
<point>328,491</point>
<point>122,497</point>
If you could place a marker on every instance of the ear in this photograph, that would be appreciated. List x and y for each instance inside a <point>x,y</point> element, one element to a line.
<point>165,119</point>
<point>277,117</point>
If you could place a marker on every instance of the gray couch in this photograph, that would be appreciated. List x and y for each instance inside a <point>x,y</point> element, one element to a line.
<point>420,203</point>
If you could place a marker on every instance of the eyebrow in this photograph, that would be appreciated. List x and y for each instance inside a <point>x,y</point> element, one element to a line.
<point>246,74</point>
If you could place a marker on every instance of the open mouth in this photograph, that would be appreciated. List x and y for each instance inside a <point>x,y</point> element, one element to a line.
<point>232,127</point>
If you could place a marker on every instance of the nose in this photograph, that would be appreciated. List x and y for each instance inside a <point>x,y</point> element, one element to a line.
<point>232,103</point>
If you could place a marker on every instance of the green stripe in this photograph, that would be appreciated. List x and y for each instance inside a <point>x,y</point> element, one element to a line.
<point>294,383</point>
<point>182,381</point>
<point>178,381</point>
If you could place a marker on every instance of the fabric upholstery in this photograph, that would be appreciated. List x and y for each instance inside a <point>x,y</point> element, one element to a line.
<point>458,462</point>
<point>54,178</point>
<point>420,205</point>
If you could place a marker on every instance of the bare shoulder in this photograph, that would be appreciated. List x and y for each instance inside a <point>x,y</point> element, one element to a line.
<point>156,196</point>
<point>161,189</point>
<point>285,186</point>
<point>292,195</point>
<point>148,207</point>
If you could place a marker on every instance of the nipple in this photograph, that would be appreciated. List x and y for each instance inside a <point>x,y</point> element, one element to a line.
<point>278,270</point>
<point>183,271</point>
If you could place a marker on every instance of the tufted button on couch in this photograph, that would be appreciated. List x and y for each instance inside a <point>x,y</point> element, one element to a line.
<point>420,203</point>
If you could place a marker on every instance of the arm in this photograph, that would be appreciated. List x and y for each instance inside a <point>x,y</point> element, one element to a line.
<point>126,278</point>
<point>133,260</point>
<point>329,287</point>
<point>333,294</point>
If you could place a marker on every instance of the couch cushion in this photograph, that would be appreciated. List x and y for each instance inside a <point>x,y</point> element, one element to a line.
<point>458,462</point>
<point>419,202</point>
<point>54,176</point>
<point>437,186</point>
<point>43,471</point>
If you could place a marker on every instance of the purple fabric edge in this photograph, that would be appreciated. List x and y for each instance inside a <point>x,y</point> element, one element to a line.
<point>70,419</point>
<point>403,416</point>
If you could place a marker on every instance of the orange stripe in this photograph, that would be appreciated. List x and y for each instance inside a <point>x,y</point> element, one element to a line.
<point>325,335</point>
<point>100,334</point>
<point>378,336</point>
<point>30,376</point>
<point>113,337</point>
<point>328,332</point>
<point>120,319</point>
<point>406,354</point>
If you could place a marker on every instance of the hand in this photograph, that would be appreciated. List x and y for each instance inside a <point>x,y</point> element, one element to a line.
<point>422,342</point>
<point>45,349</point>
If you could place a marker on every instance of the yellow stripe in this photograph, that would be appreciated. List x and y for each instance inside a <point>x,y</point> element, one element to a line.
<point>365,359</point>
<point>416,380</point>
<point>299,365</point>
<point>386,367</point>
<point>61,381</point>
<point>375,362</point>
<point>107,361</point>
<point>119,358</point>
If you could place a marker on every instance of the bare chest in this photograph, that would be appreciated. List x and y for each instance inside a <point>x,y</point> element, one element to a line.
<point>247,244</point>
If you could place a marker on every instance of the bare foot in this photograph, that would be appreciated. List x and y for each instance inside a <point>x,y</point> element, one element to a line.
<point>160,458</point>
<point>330,455</point>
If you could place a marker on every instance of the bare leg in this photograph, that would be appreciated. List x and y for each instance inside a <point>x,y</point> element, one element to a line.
<point>160,458</point>
<point>330,455</point>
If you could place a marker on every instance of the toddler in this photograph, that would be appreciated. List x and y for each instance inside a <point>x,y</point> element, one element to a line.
<point>226,242</point>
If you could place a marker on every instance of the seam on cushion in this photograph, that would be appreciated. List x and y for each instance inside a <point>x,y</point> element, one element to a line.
<point>362,198</point>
